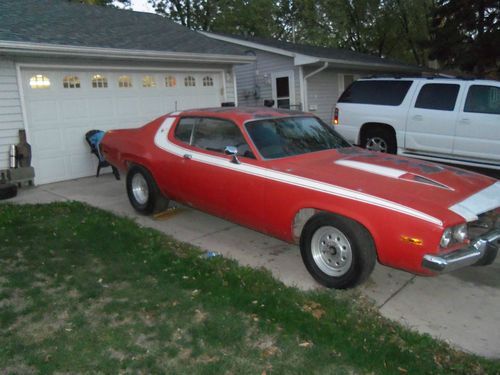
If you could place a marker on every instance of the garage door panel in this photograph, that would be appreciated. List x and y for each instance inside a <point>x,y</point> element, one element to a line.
<point>82,165</point>
<point>43,110</point>
<point>100,107</point>
<point>59,117</point>
<point>50,169</point>
<point>73,109</point>
<point>48,140</point>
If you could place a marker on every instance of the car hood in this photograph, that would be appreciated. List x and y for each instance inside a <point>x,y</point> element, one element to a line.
<point>428,187</point>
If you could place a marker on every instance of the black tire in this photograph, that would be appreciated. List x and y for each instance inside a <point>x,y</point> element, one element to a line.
<point>143,193</point>
<point>338,252</point>
<point>379,139</point>
<point>7,190</point>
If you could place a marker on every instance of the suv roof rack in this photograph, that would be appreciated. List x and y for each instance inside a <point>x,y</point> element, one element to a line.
<point>422,76</point>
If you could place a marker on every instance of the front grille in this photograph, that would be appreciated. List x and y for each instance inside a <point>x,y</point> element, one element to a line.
<point>485,223</point>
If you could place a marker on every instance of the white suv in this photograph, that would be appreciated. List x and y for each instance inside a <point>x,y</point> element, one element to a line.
<point>441,119</point>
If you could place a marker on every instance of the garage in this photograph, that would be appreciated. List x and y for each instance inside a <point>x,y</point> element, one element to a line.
<point>61,105</point>
<point>67,67</point>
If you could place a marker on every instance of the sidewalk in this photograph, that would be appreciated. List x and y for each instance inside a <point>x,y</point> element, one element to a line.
<point>462,308</point>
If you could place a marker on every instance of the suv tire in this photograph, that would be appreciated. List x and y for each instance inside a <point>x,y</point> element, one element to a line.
<point>379,140</point>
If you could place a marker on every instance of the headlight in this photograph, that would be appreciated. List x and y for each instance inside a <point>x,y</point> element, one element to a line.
<point>446,237</point>
<point>460,233</point>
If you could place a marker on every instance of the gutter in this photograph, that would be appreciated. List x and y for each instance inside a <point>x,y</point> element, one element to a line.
<point>313,73</point>
<point>36,49</point>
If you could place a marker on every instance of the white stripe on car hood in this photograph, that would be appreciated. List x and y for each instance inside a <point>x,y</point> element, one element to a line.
<point>481,202</point>
<point>372,168</point>
<point>161,140</point>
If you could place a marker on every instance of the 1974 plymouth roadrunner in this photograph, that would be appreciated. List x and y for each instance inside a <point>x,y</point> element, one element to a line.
<point>291,176</point>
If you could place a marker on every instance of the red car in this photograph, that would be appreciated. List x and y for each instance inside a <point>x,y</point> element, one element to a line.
<point>291,176</point>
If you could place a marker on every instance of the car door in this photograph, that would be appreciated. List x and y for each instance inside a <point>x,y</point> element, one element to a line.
<point>212,181</point>
<point>432,117</point>
<point>478,125</point>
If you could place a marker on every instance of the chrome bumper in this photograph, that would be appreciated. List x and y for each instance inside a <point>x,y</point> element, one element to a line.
<point>483,250</point>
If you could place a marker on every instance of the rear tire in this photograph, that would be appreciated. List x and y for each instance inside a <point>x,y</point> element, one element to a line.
<point>338,252</point>
<point>7,190</point>
<point>379,139</point>
<point>143,193</point>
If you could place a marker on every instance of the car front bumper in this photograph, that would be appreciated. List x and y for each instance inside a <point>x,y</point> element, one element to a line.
<point>482,251</point>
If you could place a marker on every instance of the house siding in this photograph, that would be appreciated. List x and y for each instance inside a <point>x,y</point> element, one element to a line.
<point>324,89</point>
<point>11,118</point>
<point>254,80</point>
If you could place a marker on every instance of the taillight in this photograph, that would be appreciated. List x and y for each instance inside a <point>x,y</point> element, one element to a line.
<point>335,119</point>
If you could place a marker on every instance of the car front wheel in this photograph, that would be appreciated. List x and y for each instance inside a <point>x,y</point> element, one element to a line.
<point>143,192</point>
<point>338,252</point>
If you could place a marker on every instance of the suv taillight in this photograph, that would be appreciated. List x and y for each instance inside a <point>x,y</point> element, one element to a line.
<point>335,119</point>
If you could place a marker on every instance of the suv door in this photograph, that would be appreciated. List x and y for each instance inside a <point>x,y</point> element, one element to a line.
<point>432,118</point>
<point>478,126</point>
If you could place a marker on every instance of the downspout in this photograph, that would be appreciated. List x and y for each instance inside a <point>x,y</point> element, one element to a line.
<point>306,101</point>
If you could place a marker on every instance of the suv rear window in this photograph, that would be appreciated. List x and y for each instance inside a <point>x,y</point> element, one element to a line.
<point>376,92</point>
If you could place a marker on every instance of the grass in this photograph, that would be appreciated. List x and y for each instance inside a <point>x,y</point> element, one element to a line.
<point>84,291</point>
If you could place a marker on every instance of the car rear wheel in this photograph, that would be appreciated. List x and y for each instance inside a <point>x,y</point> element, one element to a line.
<point>338,252</point>
<point>143,192</point>
<point>380,140</point>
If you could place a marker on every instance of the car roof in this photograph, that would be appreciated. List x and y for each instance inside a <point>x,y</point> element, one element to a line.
<point>241,114</point>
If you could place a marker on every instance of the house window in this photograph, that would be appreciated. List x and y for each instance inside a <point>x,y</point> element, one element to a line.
<point>124,82</point>
<point>39,81</point>
<point>170,81</point>
<point>189,81</point>
<point>71,82</point>
<point>208,81</point>
<point>148,81</point>
<point>99,81</point>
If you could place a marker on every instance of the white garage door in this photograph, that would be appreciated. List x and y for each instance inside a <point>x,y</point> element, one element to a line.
<point>61,106</point>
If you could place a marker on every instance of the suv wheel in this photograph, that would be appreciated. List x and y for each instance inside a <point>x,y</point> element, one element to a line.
<point>379,140</point>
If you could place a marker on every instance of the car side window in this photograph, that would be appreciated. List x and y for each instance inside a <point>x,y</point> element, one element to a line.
<point>439,96</point>
<point>483,99</point>
<point>215,134</point>
<point>185,128</point>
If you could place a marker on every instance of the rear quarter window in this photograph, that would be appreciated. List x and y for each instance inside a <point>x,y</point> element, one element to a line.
<point>378,92</point>
<point>483,99</point>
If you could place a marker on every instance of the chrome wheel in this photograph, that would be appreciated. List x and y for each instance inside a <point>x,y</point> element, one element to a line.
<point>140,188</point>
<point>331,251</point>
<point>376,144</point>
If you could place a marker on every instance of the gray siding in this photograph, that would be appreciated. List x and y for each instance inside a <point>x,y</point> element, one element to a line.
<point>11,119</point>
<point>323,90</point>
<point>254,80</point>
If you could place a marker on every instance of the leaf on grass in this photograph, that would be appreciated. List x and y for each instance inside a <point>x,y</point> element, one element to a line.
<point>270,351</point>
<point>306,344</point>
<point>401,369</point>
<point>314,308</point>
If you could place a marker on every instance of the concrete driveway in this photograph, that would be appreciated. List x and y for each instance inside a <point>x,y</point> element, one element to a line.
<point>462,308</point>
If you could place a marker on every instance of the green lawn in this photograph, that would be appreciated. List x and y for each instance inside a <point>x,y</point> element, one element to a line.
<point>84,291</point>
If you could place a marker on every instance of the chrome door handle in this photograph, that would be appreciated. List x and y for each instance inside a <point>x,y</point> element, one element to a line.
<point>418,117</point>
<point>187,156</point>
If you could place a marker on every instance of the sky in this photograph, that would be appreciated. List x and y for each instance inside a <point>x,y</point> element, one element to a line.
<point>141,6</point>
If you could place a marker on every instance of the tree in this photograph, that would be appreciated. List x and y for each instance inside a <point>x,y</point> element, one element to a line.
<point>466,35</point>
<point>244,17</point>
<point>102,2</point>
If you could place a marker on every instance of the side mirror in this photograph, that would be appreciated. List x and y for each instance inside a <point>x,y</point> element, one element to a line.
<point>232,150</point>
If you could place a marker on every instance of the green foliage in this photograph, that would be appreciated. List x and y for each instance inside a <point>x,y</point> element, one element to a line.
<point>466,34</point>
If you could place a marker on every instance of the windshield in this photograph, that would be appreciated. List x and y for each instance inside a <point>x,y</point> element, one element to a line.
<point>280,137</point>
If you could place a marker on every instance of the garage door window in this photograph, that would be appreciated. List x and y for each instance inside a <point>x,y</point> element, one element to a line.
<point>148,81</point>
<point>71,82</point>
<point>39,81</point>
<point>124,82</point>
<point>189,81</point>
<point>208,81</point>
<point>170,81</point>
<point>99,81</point>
